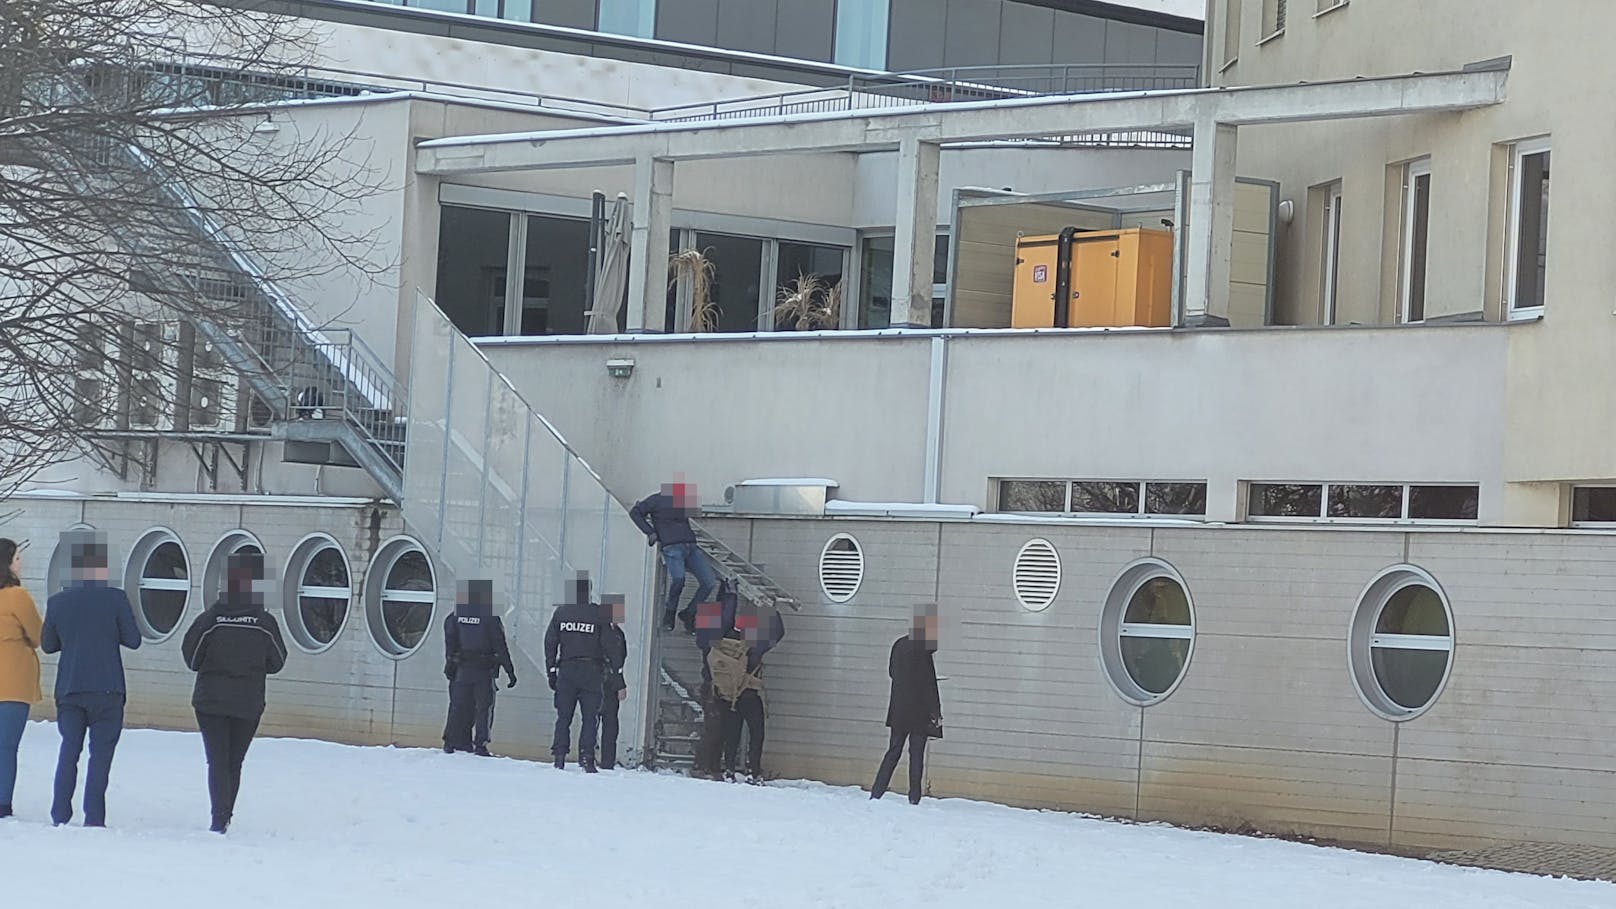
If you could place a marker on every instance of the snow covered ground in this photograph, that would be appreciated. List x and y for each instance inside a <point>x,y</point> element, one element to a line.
<point>328,825</point>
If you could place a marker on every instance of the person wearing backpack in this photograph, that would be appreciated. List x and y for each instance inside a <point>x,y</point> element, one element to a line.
<point>232,647</point>
<point>736,664</point>
<point>914,711</point>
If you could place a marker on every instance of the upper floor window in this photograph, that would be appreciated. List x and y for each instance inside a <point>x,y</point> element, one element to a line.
<point>1231,30</point>
<point>628,17</point>
<point>1593,506</point>
<point>1330,250</point>
<point>1416,234</point>
<point>1325,6</point>
<point>1094,498</point>
<point>861,34</point>
<point>1273,17</point>
<point>1526,249</point>
<point>1361,502</point>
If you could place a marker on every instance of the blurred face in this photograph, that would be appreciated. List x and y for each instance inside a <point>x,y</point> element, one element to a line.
<point>619,613</point>
<point>924,628</point>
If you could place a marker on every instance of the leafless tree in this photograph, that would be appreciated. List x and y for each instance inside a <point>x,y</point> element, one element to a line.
<point>139,190</point>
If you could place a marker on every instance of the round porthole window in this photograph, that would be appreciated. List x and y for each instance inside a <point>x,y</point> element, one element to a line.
<point>841,568</point>
<point>1401,643</point>
<point>400,597</point>
<point>1147,632</point>
<point>159,574</point>
<point>317,593</point>
<point>1036,577</point>
<point>234,542</point>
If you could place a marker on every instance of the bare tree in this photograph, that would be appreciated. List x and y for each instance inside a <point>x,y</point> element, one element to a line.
<point>147,216</point>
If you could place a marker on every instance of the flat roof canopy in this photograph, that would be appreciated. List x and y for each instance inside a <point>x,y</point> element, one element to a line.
<point>867,131</point>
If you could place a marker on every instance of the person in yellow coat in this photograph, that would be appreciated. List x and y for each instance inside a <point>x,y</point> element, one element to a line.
<point>19,665</point>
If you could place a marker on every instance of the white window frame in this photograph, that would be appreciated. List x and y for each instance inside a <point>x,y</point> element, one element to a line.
<point>1113,629</point>
<point>1330,256</point>
<point>1324,504</point>
<point>1605,525</point>
<point>1363,640</point>
<point>1412,172</point>
<point>1512,260</point>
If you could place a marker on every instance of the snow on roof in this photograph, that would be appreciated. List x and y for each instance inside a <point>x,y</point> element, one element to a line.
<point>789,481</point>
<point>933,511</point>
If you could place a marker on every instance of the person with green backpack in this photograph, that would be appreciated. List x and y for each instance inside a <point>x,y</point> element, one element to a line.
<point>734,654</point>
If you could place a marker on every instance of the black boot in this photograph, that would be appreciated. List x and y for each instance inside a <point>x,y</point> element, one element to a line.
<point>561,762</point>
<point>481,751</point>
<point>448,748</point>
<point>588,764</point>
<point>667,621</point>
<point>5,810</point>
<point>221,824</point>
<point>689,619</point>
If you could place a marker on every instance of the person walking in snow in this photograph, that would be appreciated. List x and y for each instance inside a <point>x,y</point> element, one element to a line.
<point>615,690</point>
<point>914,712</point>
<point>87,623</point>
<point>19,665</point>
<point>232,647</point>
<point>665,520</point>
<point>474,650</point>
<point>576,652</point>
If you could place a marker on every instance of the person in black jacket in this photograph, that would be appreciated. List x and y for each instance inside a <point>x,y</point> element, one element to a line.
<point>575,659</point>
<point>665,520</point>
<point>231,647</point>
<point>914,713</point>
<point>615,690</point>
<point>474,651</point>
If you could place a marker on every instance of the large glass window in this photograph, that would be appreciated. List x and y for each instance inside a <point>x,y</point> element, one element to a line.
<point>1147,632</point>
<point>737,283</point>
<point>1593,506</point>
<point>875,286</point>
<point>1401,643</point>
<point>473,254</point>
<point>628,17</point>
<point>1103,497</point>
<point>1528,249</point>
<point>555,267</point>
<point>861,33</point>
<point>808,287</point>
<point>1362,502</point>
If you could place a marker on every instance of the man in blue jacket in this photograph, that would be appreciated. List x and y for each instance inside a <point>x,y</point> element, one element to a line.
<point>665,520</point>
<point>86,623</point>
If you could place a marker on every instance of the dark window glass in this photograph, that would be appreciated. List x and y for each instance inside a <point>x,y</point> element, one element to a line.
<point>556,266</point>
<point>571,13</point>
<point>1443,503</point>
<point>1155,663</point>
<point>688,21</point>
<point>1159,601</point>
<point>939,261</point>
<point>1175,498</point>
<point>1364,501</point>
<point>1532,232</point>
<point>736,283</point>
<point>1593,505</point>
<point>875,290</point>
<point>1411,676</point>
<point>1418,242</point>
<point>1286,500</point>
<point>915,38</point>
<point>808,287</point>
<point>1105,498</point>
<point>162,606</point>
<point>749,25</point>
<point>472,248</point>
<point>406,620</point>
<point>972,38</point>
<point>1032,496</point>
<point>322,610</point>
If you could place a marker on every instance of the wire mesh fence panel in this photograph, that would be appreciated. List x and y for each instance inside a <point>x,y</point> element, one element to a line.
<point>469,379</point>
<point>429,407</point>
<point>504,459</point>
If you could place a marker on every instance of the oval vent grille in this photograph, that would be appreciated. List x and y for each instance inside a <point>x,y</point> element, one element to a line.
<point>841,568</point>
<point>1037,575</point>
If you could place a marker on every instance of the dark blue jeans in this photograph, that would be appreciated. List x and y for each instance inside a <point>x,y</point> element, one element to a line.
<point>679,556</point>
<point>578,685</point>
<point>101,715</point>
<point>13,718</point>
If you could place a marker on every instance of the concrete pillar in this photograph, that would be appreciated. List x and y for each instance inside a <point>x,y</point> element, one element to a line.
<point>915,247</point>
<point>648,246</point>
<point>1210,249</point>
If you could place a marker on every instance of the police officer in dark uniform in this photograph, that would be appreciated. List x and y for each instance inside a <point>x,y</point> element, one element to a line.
<point>474,652</point>
<point>575,658</point>
<point>613,609</point>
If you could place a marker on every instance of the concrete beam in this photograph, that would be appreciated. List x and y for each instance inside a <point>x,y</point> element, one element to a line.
<point>648,246</point>
<point>885,130</point>
<point>914,249</point>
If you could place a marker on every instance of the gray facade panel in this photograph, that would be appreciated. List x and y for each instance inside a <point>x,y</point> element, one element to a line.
<point>973,32</point>
<point>1129,43</point>
<point>806,29</point>
<point>1177,48</point>
<point>749,25</point>
<point>688,21</point>
<point>1026,34</point>
<point>915,38</point>
<point>1079,38</point>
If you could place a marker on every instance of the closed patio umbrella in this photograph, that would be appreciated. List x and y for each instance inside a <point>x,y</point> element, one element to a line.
<point>613,277</point>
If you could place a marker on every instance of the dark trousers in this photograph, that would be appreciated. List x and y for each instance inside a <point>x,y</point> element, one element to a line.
<point>225,740</point>
<point>99,714</point>
<point>471,710</point>
<point>710,748</point>
<point>578,686</point>
<point>917,764</point>
<point>608,729</point>
<point>748,709</point>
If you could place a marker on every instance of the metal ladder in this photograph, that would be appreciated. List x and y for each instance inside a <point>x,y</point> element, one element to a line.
<point>751,584</point>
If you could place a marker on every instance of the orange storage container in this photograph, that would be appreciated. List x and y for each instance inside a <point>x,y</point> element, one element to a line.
<point>1115,279</point>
